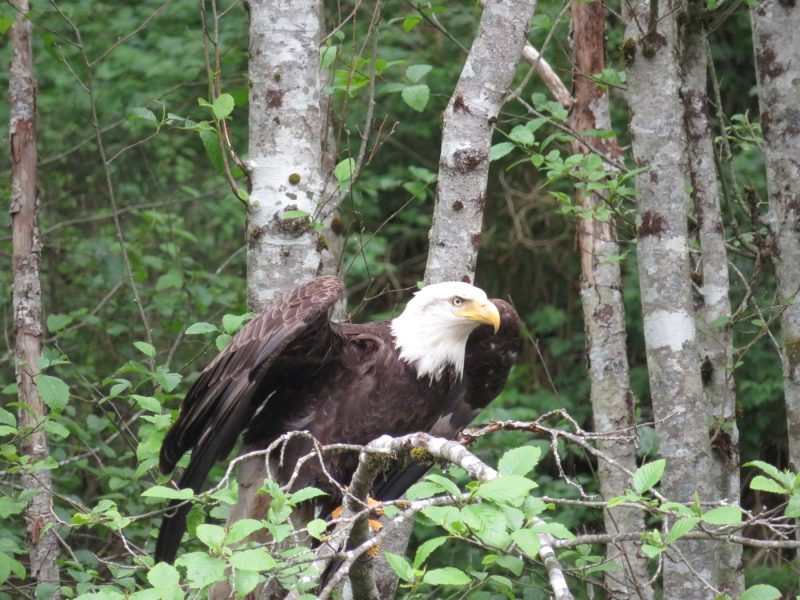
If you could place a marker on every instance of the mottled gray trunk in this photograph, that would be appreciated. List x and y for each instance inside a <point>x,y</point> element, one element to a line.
<point>285,147</point>
<point>613,403</point>
<point>455,236</point>
<point>27,301</point>
<point>659,146</point>
<point>777,52</point>
<point>715,341</point>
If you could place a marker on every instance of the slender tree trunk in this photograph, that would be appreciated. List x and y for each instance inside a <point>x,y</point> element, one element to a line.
<point>715,341</point>
<point>775,30</point>
<point>650,49</point>
<point>464,170</point>
<point>27,301</point>
<point>613,403</point>
<point>285,150</point>
<point>455,236</point>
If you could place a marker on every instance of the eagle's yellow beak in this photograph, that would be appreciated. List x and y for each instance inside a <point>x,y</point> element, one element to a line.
<point>482,312</point>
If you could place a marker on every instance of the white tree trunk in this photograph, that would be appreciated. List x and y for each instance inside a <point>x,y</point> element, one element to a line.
<point>715,342</point>
<point>455,236</point>
<point>664,271</point>
<point>43,545</point>
<point>613,403</point>
<point>775,30</point>
<point>285,149</point>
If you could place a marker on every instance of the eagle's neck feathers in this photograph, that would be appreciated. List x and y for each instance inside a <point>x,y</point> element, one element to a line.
<point>433,348</point>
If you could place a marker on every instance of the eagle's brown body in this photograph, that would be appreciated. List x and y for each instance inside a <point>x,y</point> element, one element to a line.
<point>292,369</point>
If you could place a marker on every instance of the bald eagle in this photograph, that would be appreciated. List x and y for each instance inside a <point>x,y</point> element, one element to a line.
<point>291,368</point>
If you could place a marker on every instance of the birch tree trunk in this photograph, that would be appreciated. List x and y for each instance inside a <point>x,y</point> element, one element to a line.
<point>775,29</point>
<point>658,140</point>
<point>613,403</point>
<point>715,342</point>
<point>285,149</point>
<point>43,545</point>
<point>454,238</point>
<point>455,235</point>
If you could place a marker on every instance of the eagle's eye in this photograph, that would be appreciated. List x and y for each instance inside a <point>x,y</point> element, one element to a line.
<point>457,301</point>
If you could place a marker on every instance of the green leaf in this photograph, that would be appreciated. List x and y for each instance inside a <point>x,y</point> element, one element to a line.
<point>166,580</point>
<point>723,515</point>
<point>511,489</point>
<point>222,340</point>
<point>519,461</point>
<point>760,591</point>
<point>57,322</point>
<point>422,490</point>
<point>148,403</point>
<point>400,566</point>
<point>316,528</point>
<point>147,349</point>
<point>680,528</point>
<point>446,576</point>
<point>245,582</point>
<point>168,381</point>
<point>202,570</point>
<point>7,417</point>
<point>223,106</point>
<point>522,135</point>
<point>232,323</point>
<point>343,171</point>
<point>527,541</point>
<point>295,214</point>
<point>257,559</point>
<point>417,72</point>
<point>498,151</point>
<point>416,96</point>
<point>648,475</point>
<point>557,530</point>
<point>793,507</point>
<point>445,484</point>
<point>213,151</point>
<point>241,529</point>
<point>160,491</point>
<point>651,551</point>
<point>327,56</point>
<point>211,535</point>
<point>53,391</point>
<point>511,563</point>
<point>426,549</point>
<point>200,328</point>
<point>488,523</point>
<point>784,477</point>
<point>140,112</point>
<point>759,482</point>
<point>305,494</point>
<point>410,22</point>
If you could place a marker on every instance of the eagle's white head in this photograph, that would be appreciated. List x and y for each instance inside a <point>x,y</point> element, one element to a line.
<point>432,331</point>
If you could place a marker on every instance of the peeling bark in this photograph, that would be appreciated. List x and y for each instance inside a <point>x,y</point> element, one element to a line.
<point>43,545</point>
<point>613,403</point>
<point>775,27</point>
<point>650,49</point>
<point>469,119</point>
<point>715,343</point>
<point>285,150</point>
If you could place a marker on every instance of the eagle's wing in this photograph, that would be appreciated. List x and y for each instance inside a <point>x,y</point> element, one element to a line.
<point>488,360</point>
<point>230,390</point>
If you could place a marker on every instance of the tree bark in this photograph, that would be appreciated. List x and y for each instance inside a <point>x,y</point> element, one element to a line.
<point>658,141</point>
<point>777,53</point>
<point>715,342</point>
<point>455,235</point>
<point>43,545</point>
<point>613,403</point>
<point>285,150</point>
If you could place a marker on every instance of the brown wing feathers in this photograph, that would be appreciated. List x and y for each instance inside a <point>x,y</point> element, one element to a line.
<point>230,390</point>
